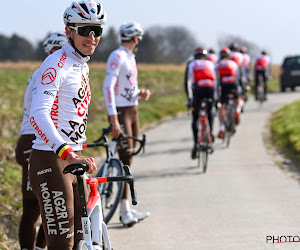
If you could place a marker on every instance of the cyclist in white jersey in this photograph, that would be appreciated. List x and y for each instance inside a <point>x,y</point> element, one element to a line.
<point>31,211</point>
<point>59,117</point>
<point>121,94</point>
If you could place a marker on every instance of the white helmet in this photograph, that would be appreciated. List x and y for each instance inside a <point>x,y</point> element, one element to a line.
<point>130,30</point>
<point>85,11</point>
<point>56,39</point>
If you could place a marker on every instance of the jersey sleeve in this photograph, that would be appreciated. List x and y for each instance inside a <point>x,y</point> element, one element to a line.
<point>113,67</point>
<point>190,76</point>
<point>47,86</point>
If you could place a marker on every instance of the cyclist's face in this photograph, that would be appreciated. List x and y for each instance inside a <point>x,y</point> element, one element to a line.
<point>86,45</point>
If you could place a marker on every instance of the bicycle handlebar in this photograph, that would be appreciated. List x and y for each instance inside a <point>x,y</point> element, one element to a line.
<point>78,169</point>
<point>142,142</point>
<point>103,137</point>
<point>105,132</point>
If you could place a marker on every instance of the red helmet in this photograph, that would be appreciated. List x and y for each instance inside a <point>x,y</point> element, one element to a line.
<point>200,52</point>
<point>243,49</point>
<point>225,52</point>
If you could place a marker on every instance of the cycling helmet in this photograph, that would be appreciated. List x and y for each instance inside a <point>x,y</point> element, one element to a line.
<point>56,39</point>
<point>225,52</point>
<point>234,46</point>
<point>211,51</point>
<point>264,52</point>
<point>130,30</point>
<point>243,49</point>
<point>85,11</point>
<point>200,52</point>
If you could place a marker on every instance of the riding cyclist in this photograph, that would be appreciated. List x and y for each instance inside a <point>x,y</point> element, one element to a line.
<point>31,211</point>
<point>212,56</point>
<point>247,65</point>
<point>59,117</point>
<point>262,68</point>
<point>228,77</point>
<point>238,58</point>
<point>121,94</point>
<point>202,83</point>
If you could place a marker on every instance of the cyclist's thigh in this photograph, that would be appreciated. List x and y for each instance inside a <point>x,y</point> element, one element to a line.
<point>226,88</point>
<point>126,116</point>
<point>54,191</point>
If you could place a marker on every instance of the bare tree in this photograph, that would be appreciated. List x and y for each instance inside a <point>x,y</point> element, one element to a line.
<point>175,43</point>
<point>252,49</point>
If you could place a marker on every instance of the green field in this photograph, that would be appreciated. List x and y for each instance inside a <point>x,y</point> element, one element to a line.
<point>168,99</point>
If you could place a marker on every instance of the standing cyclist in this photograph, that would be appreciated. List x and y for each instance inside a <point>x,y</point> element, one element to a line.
<point>121,94</point>
<point>59,116</point>
<point>262,67</point>
<point>228,76</point>
<point>202,83</point>
<point>31,211</point>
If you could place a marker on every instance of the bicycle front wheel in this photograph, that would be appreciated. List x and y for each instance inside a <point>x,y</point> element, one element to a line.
<point>82,245</point>
<point>112,191</point>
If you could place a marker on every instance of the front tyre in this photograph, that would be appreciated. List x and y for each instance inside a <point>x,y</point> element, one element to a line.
<point>112,192</point>
<point>82,245</point>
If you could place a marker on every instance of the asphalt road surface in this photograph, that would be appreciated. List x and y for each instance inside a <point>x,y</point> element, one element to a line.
<point>243,201</point>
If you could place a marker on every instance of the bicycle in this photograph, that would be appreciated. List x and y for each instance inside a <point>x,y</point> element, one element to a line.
<point>93,226</point>
<point>111,192</point>
<point>230,122</point>
<point>261,96</point>
<point>204,136</point>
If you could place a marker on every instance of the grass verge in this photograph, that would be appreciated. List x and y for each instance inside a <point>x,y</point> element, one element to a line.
<point>285,127</point>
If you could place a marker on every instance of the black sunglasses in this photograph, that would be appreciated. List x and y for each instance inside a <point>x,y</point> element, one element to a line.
<point>87,30</point>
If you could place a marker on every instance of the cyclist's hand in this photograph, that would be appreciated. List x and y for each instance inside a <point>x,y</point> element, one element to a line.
<point>189,103</point>
<point>217,104</point>
<point>116,127</point>
<point>73,158</point>
<point>145,94</point>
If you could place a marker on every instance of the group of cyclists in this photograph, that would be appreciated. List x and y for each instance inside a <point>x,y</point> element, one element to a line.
<point>55,120</point>
<point>213,76</point>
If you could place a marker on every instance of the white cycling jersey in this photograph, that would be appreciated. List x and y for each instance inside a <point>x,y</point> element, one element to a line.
<point>202,73</point>
<point>60,102</point>
<point>26,128</point>
<point>120,86</point>
<point>212,57</point>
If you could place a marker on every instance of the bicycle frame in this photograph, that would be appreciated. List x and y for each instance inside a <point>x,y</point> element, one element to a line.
<point>92,212</point>
<point>203,119</point>
<point>93,226</point>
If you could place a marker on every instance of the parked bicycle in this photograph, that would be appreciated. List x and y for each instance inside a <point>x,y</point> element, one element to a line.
<point>205,141</point>
<point>111,192</point>
<point>93,226</point>
<point>230,123</point>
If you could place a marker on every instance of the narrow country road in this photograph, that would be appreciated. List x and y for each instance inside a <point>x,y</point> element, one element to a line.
<point>241,200</point>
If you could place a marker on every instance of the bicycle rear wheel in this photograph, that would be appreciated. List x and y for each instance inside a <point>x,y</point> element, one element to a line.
<point>112,191</point>
<point>204,153</point>
<point>261,95</point>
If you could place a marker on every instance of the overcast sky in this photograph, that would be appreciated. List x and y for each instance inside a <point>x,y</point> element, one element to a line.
<point>273,25</point>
